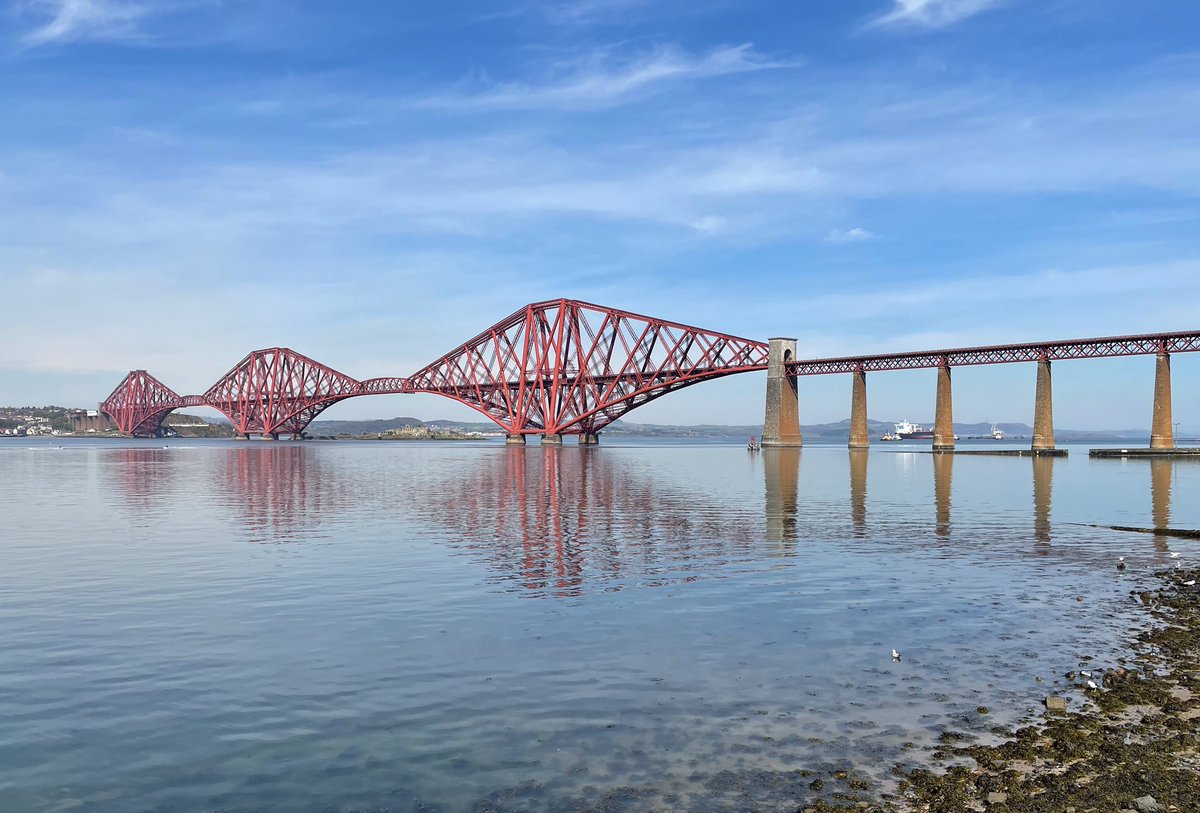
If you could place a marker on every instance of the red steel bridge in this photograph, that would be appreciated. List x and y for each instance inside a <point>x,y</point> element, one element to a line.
<point>565,367</point>
<point>552,368</point>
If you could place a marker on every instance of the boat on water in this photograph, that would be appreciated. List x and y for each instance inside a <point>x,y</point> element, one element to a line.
<point>753,445</point>
<point>997,433</point>
<point>912,431</point>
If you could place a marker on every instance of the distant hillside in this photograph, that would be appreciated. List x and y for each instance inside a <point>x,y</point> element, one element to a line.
<point>370,427</point>
<point>193,426</point>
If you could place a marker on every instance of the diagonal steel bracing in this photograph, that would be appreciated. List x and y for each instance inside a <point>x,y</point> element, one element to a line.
<point>556,367</point>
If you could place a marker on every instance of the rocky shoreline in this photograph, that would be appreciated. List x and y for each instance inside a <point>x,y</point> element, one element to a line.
<point>1129,740</point>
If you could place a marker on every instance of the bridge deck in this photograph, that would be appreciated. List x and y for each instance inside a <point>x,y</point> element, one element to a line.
<point>1145,344</point>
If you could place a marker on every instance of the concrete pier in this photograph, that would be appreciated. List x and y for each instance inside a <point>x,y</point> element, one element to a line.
<point>269,436</point>
<point>589,438</point>
<point>781,425</point>
<point>1162,433</point>
<point>943,421</point>
<point>552,439</point>
<point>515,440</point>
<point>1043,410</point>
<point>859,437</point>
<point>1182,452</point>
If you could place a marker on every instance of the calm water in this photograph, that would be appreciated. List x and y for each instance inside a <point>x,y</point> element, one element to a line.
<point>402,626</point>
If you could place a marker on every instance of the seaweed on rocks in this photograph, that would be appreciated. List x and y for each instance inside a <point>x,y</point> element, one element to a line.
<point>1136,736</point>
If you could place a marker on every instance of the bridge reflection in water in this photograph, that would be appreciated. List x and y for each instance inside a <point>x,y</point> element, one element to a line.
<point>781,484</point>
<point>278,493</point>
<point>943,475</point>
<point>1160,492</point>
<point>858,490</point>
<point>1043,486</point>
<point>554,520</point>
<point>549,519</point>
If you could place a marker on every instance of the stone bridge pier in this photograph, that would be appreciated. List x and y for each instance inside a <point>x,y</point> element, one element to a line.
<point>781,425</point>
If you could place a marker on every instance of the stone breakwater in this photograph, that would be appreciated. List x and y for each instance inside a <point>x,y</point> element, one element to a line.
<point>1129,741</point>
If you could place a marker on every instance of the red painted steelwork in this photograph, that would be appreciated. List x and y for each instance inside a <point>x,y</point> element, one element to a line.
<point>139,403</point>
<point>567,367</point>
<point>1147,344</point>
<point>278,390</point>
<point>555,367</point>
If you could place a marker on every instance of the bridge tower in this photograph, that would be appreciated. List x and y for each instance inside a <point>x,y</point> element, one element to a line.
<point>1162,433</point>
<point>1043,408</point>
<point>781,426</point>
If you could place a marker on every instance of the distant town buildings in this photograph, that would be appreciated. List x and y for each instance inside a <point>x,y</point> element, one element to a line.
<point>32,421</point>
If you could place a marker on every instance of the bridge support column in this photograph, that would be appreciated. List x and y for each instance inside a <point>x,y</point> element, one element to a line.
<point>1162,433</point>
<point>552,439</point>
<point>515,439</point>
<point>1043,410</point>
<point>589,439</point>
<point>943,421</point>
<point>269,436</point>
<point>859,438</point>
<point>241,436</point>
<point>781,426</point>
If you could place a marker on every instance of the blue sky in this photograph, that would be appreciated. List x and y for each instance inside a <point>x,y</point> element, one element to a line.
<point>371,183</point>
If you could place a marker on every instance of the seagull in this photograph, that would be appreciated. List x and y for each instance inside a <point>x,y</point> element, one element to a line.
<point>1085,674</point>
<point>1175,554</point>
<point>1091,684</point>
<point>1189,582</point>
<point>896,655</point>
<point>1120,563</point>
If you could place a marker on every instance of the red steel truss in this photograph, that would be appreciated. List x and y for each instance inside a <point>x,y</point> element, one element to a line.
<point>278,390</point>
<point>555,367</point>
<point>139,403</point>
<point>570,367</point>
<point>1147,344</point>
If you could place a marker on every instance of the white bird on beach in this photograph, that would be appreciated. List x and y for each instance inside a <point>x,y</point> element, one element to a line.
<point>1085,674</point>
<point>1091,684</point>
<point>1189,582</point>
<point>1175,554</point>
<point>895,655</point>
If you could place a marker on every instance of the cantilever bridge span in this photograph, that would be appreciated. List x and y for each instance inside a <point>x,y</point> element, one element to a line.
<point>552,368</point>
<point>565,367</point>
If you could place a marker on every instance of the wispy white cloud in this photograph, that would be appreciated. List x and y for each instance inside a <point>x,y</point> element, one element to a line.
<point>854,235</point>
<point>932,13</point>
<point>603,78</point>
<point>70,20</point>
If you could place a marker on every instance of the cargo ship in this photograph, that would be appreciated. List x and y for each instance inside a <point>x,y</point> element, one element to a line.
<point>912,431</point>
